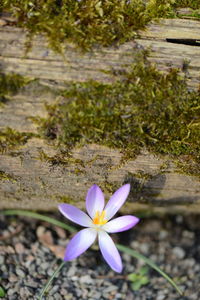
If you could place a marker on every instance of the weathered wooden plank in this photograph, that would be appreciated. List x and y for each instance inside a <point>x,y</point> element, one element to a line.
<point>41,185</point>
<point>167,55</point>
<point>41,62</point>
<point>172,28</point>
<point>37,184</point>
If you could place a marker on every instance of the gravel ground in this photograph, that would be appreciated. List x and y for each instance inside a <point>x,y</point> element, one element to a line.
<point>31,250</point>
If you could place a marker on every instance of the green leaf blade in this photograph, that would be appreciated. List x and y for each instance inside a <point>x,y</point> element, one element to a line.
<point>2,292</point>
<point>150,263</point>
<point>26,213</point>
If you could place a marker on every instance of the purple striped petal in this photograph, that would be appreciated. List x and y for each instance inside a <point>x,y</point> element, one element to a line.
<point>80,243</point>
<point>116,201</point>
<point>109,251</point>
<point>75,214</point>
<point>120,224</point>
<point>94,200</point>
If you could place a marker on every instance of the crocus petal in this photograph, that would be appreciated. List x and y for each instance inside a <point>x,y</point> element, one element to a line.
<point>80,243</point>
<point>75,214</point>
<point>116,201</point>
<point>109,251</point>
<point>94,200</point>
<point>120,224</point>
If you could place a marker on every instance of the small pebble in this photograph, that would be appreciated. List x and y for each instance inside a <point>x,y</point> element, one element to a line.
<point>86,279</point>
<point>179,252</point>
<point>20,272</point>
<point>161,297</point>
<point>19,248</point>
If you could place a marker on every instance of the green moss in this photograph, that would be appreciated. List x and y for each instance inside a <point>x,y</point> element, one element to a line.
<point>65,159</point>
<point>195,14</point>
<point>109,187</point>
<point>143,108</point>
<point>89,23</point>
<point>6,176</point>
<point>61,158</point>
<point>189,165</point>
<point>11,139</point>
<point>86,23</point>
<point>194,4</point>
<point>10,84</point>
<point>141,175</point>
<point>64,199</point>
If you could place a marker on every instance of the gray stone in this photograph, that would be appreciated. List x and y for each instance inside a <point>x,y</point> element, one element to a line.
<point>179,252</point>
<point>86,279</point>
<point>20,272</point>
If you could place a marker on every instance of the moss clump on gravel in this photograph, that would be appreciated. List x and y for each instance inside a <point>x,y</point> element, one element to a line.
<point>86,23</point>
<point>142,108</point>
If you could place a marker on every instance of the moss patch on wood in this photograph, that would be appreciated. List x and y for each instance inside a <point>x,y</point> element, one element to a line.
<point>194,14</point>
<point>11,84</point>
<point>64,159</point>
<point>86,23</point>
<point>143,108</point>
<point>64,199</point>
<point>11,139</point>
<point>89,23</point>
<point>194,4</point>
<point>4,176</point>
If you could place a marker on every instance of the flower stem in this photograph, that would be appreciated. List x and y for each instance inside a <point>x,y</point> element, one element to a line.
<point>45,288</point>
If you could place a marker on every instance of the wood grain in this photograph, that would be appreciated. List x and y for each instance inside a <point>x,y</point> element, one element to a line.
<point>38,184</point>
<point>43,63</point>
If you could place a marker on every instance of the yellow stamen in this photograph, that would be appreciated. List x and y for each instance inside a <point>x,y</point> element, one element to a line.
<point>99,218</point>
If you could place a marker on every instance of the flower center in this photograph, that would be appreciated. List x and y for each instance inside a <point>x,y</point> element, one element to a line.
<point>99,219</point>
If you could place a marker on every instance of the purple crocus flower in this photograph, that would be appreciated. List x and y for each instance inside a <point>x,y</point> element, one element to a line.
<point>98,224</point>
